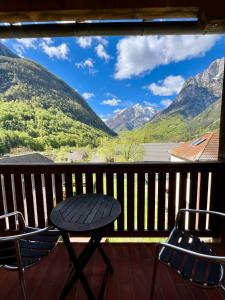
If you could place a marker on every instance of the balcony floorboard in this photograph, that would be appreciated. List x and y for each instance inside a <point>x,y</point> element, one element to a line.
<point>133,264</point>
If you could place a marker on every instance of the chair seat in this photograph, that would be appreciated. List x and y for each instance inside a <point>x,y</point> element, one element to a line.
<point>195,269</point>
<point>32,249</point>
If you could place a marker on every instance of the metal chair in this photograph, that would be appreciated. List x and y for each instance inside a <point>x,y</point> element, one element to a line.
<point>189,256</point>
<point>23,250</point>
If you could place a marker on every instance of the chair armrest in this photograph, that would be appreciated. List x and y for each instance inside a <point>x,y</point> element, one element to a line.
<point>195,211</point>
<point>213,258</point>
<point>15,213</point>
<point>17,237</point>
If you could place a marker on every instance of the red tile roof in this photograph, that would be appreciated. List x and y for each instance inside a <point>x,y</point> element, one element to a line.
<point>201,149</point>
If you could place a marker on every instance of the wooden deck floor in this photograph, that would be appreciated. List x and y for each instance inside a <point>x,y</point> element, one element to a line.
<point>133,269</point>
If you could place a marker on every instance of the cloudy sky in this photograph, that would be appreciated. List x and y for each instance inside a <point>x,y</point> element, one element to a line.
<point>115,72</point>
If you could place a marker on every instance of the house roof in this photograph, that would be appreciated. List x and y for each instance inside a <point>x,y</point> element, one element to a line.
<point>204,148</point>
<point>31,158</point>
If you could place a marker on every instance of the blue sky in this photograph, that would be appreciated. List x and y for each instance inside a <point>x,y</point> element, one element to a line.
<point>115,72</point>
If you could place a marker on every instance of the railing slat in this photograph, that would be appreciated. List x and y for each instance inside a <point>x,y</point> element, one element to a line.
<point>58,188</point>
<point>141,201</point>
<point>89,182</point>
<point>182,194</point>
<point>68,185</point>
<point>39,200</point>
<point>109,184</point>
<point>161,200</point>
<point>130,201</point>
<point>171,200</point>
<point>151,201</point>
<point>99,183</point>
<point>9,200</point>
<point>29,199</point>
<point>110,191</point>
<point>193,198</point>
<point>79,183</point>
<point>203,198</point>
<point>120,198</point>
<point>2,211</point>
<point>19,193</point>
<point>49,194</point>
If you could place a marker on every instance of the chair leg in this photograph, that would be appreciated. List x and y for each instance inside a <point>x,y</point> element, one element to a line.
<point>23,284</point>
<point>154,273</point>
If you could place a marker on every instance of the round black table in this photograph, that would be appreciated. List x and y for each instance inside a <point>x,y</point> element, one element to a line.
<point>85,213</point>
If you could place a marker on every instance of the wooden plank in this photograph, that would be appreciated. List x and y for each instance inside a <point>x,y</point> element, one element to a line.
<point>151,201</point>
<point>161,201</point>
<point>130,201</point>
<point>79,183</point>
<point>203,198</point>
<point>68,185</point>
<point>182,194</point>
<point>120,198</point>
<point>19,193</point>
<point>49,194</point>
<point>89,182</point>
<point>58,188</point>
<point>171,200</point>
<point>109,184</point>
<point>193,198</point>
<point>29,199</point>
<point>39,200</point>
<point>110,191</point>
<point>2,210</point>
<point>99,183</point>
<point>215,201</point>
<point>141,201</point>
<point>9,199</point>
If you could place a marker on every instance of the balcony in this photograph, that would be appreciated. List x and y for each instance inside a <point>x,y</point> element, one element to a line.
<point>150,195</point>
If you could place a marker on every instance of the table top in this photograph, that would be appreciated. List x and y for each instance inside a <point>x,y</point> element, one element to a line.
<point>85,212</point>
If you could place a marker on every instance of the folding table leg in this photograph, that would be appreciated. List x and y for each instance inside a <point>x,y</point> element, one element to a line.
<point>78,271</point>
<point>106,259</point>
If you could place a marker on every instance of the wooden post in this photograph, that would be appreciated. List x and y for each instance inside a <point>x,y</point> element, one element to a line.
<point>221,155</point>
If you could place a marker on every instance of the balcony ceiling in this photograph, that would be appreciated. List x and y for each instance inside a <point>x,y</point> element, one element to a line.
<point>212,11</point>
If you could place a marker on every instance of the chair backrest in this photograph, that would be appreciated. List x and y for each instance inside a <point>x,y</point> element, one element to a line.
<point>195,269</point>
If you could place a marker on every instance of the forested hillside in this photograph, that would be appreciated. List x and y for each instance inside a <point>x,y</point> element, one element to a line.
<point>40,111</point>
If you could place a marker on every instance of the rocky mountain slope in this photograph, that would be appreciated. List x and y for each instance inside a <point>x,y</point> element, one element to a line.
<point>132,117</point>
<point>198,93</point>
<point>25,80</point>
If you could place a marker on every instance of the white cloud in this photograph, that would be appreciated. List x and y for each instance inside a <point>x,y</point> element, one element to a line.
<point>166,102</point>
<point>87,41</point>
<point>111,102</point>
<point>44,44</point>
<point>21,45</point>
<point>59,52</point>
<point>87,64</point>
<point>117,110</point>
<point>101,52</point>
<point>169,86</point>
<point>136,55</point>
<point>148,103</point>
<point>88,96</point>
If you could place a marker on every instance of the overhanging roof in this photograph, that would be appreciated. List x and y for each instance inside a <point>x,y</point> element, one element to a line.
<point>80,10</point>
<point>210,16</point>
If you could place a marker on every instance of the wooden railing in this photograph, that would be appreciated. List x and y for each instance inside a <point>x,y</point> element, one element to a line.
<point>150,193</point>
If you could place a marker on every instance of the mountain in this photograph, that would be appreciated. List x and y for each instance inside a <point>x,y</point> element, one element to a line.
<point>198,93</point>
<point>132,117</point>
<point>195,111</point>
<point>24,80</point>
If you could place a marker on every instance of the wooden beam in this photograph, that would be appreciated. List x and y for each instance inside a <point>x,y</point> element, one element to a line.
<point>107,29</point>
<point>79,10</point>
<point>221,155</point>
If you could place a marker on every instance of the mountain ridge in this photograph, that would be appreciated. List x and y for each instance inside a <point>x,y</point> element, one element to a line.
<point>131,117</point>
<point>25,80</point>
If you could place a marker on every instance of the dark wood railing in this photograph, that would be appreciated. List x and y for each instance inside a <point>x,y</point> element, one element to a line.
<point>150,193</point>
